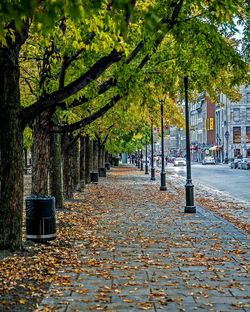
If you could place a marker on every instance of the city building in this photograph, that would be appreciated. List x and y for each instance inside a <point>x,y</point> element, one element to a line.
<point>219,129</point>
<point>202,128</point>
<point>176,142</point>
<point>233,125</point>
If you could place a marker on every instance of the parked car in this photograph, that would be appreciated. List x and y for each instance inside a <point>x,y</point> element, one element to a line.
<point>179,161</point>
<point>239,164</point>
<point>208,160</point>
<point>171,159</point>
<point>244,163</point>
<point>234,163</point>
<point>144,160</point>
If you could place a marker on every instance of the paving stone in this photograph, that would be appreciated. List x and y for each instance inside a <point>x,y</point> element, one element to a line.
<point>227,307</point>
<point>222,300</point>
<point>243,291</point>
<point>193,268</point>
<point>149,258</point>
<point>57,308</point>
<point>85,306</point>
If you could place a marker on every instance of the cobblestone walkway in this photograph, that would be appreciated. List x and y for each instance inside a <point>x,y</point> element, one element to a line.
<point>148,255</point>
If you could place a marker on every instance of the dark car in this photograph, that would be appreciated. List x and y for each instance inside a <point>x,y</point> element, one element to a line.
<point>234,163</point>
<point>245,163</point>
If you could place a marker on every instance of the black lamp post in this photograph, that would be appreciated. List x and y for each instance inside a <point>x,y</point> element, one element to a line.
<point>141,161</point>
<point>227,137</point>
<point>146,157</point>
<point>163,173</point>
<point>189,208</point>
<point>152,154</point>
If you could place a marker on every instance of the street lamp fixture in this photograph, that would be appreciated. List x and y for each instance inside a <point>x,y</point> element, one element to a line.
<point>189,208</point>
<point>152,153</point>
<point>146,157</point>
<point>163,173</point>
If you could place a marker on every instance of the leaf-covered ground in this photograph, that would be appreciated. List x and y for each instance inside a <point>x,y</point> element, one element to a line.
<point>123,245</point>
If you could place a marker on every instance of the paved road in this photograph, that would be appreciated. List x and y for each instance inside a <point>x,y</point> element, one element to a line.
<point>220,177</point>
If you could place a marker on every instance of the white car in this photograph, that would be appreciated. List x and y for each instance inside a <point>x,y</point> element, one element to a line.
<point>179,161</point>
<point>208,160</point>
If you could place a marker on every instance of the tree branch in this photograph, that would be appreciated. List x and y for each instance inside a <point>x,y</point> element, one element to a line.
<point>102,89</point>
<point>52,100</point>
<point>68,60</point>
<point>71,143</point>
<point>106,137</point>
<point>88,120</point>
<point>171,23</point>
<point>82,123</point>
<point>29,85</point>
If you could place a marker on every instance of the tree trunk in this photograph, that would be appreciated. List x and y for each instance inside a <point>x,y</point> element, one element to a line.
<point>82,162</point>
<point>11,148</point>
<point>71,172</point>
<point>95,156</point>
<point>75,154</point>
<point>41,157</point>
<point>88,158</point>
<point>68,184</point>
<point>56,188</point>
<point>25,157</point>
<point>106,157</point>
<point>99,156</point>
<point>103,157</point>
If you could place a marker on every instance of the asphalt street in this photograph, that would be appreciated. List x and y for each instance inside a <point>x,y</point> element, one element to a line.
<point>219,177</point>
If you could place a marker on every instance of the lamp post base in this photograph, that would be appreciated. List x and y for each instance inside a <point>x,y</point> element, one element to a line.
<point>146,169</point>
<point>163,181</point>
<point>152,174</point>
<point>190,209</point>
<point>163,188</point>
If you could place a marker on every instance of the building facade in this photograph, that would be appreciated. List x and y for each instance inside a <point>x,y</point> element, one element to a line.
<point>202,128</point>
<point>219,129</point>
<point>233,125</point>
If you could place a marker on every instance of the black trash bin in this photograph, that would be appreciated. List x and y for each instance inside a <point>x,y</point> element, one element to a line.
<point>102,172</point>
<point>107,166</point>
<point>116,162</point>
<point>40,218</point>
<point>94,177</point>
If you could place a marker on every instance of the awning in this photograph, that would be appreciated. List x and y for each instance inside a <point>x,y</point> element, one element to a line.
<point>214,148</point>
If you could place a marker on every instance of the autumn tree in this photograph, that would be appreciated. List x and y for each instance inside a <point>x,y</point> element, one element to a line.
<point>16,20</point>
<point>190,27</point>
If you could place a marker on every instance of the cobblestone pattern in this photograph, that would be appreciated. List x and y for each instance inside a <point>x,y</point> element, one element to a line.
<point>154,257</point>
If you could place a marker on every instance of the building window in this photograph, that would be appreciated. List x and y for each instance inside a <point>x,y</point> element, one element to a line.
<point>248,97</point>
<point>236,114</point>
<point>247,134</point>
<point>236,135</point>
<point>237,152</point>
<point>248,114</point>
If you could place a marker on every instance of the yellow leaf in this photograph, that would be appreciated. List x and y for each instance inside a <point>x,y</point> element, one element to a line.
<point>22,301</point>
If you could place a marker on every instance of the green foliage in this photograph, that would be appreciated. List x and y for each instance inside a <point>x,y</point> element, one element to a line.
<point>27,138</point>
<point>200,45</point>
<point>245,25</point>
